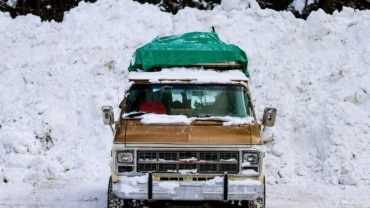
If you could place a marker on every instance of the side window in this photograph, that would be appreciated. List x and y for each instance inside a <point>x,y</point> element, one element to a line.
<point>133,100</point>
<point>178,99</point>
<point>197,99</point>
<point>246,103</point>
<point>137,95</point>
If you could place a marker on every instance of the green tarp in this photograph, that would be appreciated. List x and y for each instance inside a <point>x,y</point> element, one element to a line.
<point>189,49</point>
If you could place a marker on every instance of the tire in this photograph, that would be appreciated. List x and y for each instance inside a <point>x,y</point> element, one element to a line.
<point>260,202</point>
<point>112,200</point>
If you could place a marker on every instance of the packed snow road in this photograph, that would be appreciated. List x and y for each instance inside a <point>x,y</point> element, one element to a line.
<point>93,194</point>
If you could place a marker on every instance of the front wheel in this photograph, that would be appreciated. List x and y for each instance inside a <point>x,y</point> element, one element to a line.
<point>113,201</point>
<point>260,202</point>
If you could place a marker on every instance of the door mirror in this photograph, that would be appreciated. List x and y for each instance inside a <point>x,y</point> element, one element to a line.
<point>108,115</point>
<point>269,116</point>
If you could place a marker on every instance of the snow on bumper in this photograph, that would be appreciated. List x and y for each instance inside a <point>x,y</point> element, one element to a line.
<point>218,189</point>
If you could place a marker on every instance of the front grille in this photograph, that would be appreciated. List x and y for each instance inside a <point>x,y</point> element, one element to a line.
<point>188,161</point>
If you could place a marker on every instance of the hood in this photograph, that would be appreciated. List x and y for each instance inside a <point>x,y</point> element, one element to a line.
<point>199,132</point>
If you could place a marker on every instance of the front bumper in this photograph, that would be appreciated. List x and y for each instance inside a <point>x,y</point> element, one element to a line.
<point>221,188</point>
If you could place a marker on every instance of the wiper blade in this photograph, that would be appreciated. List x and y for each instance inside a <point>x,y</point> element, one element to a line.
<point>134,114</point>
<point>202,115</point>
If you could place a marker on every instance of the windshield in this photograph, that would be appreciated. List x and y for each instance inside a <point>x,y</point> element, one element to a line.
<point>200,100</point>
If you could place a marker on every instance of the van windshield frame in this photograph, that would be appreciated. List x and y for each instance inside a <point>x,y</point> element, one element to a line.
<point>191,100</point>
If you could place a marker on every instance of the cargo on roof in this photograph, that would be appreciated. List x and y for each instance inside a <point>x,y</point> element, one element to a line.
<point>203,49</point>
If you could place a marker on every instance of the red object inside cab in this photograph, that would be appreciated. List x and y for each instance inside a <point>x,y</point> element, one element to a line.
<point>152,107</point>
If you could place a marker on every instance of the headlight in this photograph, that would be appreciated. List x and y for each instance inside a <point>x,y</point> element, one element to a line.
<point>251,157</point>
<point>125,157</point>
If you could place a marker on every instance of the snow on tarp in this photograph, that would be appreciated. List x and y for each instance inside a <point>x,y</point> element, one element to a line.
<point>189,49</point>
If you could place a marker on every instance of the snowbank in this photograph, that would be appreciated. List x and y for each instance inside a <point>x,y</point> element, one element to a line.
<point>56,76</point>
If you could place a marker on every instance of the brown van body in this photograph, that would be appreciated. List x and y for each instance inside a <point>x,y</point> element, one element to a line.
<point>131,132</point>
<point>204,159</point>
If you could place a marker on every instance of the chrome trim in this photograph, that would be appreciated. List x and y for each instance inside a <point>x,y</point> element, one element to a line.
<point>134,166</point>
<point>138,188</point>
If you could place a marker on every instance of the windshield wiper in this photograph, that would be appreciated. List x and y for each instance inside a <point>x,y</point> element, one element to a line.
<point>134,114</point>
<point>206,116</point>
<point>202,115</point>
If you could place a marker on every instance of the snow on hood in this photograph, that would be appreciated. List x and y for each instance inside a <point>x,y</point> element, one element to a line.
<point>183,120</point>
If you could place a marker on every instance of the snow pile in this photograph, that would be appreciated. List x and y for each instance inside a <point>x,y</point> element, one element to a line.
<point>56,76</point>
<point>323,99</point>
<point>191,74</point>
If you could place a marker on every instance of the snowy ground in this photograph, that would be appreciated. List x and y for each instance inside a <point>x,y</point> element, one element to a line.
<point>54,149</point>
<point>93,194</point>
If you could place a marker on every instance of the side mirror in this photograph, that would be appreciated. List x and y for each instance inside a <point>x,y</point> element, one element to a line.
<point>269,116</point>
<point>108,115</point>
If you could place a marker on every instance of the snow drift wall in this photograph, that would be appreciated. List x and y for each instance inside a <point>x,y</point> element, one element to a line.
<point>56,76</point>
